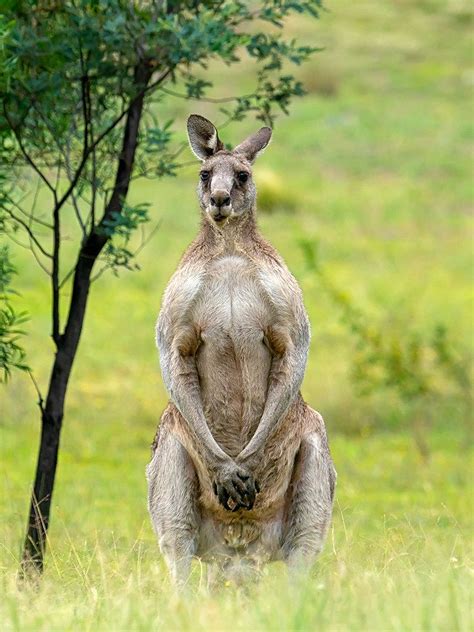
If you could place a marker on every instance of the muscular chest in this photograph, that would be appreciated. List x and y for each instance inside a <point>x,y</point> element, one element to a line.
<point>232,303</point>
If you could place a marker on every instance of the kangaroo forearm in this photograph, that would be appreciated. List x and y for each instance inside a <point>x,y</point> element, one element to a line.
<point>187,396</point>
<point>278,401</point>
<point>283,388</point>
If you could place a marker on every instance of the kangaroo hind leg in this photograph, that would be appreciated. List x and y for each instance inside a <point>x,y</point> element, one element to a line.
<point>172,503</point>
<point>310,500</point>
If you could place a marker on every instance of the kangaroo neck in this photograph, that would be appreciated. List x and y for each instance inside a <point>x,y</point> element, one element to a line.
<point>236,235</point>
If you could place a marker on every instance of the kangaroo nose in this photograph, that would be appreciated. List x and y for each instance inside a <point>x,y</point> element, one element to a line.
<point>220,198</point>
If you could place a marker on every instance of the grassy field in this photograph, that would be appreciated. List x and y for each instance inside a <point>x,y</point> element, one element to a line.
<point>374,165</point>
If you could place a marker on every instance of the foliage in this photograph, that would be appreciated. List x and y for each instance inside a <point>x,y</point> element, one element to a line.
<point>120,227</point>
<point>66,101</point>
<point>12,354</point>
<point>415,367</point>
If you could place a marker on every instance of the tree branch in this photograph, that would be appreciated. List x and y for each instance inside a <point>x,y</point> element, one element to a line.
<point>31,234</point>
<point>55,277</point>
<point>145,240</point>
<point>75,204</point>
<point>29,215</point>
<point>35,384</point>
<point>38,260</point>
<point>97,238</point>
<point>67,277</point>
<point>28,159</point>
<point>107,131</point>
<point>179,95</point>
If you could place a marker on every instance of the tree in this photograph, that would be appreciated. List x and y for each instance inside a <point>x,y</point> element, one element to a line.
<point>12,354</point>
<point>82,83</point>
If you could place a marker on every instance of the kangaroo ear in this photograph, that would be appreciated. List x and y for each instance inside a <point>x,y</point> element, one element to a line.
<point>253,146</point>
<point>203,137</point>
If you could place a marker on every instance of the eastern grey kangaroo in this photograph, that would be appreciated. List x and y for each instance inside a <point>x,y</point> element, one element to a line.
<point>241,468</point>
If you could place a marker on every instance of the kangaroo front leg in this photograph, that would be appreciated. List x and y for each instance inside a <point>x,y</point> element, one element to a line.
<point>172,502</point>
<point>310,505</point>
<point>286,374</point>
<point>233,484</point>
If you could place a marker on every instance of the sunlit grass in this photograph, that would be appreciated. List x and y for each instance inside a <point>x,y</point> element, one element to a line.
<point>125,591</point>
<point>398,556</point>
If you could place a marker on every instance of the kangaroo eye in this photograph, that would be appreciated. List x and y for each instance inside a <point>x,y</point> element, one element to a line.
<point>242,177</point>
<point>204,176</point>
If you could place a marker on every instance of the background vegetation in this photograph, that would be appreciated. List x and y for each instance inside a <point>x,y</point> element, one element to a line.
<point>372,169</point>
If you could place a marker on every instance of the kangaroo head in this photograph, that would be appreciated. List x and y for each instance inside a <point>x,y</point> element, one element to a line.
<point>226,189</point>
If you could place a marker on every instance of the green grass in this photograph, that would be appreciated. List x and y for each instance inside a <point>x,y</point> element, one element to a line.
<point>373,164</point>
<point>397,557</point>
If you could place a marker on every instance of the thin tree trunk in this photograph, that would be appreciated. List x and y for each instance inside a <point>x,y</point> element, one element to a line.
<point>67,344</point>
<point>51,422</point>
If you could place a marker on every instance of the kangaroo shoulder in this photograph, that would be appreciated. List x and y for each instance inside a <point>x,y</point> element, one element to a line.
<point>180,295</point>
<point>280,286</point>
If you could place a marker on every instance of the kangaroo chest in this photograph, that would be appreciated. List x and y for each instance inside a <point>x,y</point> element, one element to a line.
<point>232,313</point>
<point>232,304</point>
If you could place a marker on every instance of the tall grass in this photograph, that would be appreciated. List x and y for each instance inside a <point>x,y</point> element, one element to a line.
<point>398,556</point>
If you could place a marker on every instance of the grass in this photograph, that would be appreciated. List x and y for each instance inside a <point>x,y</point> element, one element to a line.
<point>398,556</point>
<point>374,165</point>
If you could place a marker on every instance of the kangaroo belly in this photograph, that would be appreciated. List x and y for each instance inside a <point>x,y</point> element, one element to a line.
<point>233,361</point>
<point>233,383</point>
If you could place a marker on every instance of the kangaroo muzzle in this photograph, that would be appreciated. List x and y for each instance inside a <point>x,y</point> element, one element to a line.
<point>220,207</point>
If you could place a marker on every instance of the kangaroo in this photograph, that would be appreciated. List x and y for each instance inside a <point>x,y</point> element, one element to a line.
<point>241,468</point>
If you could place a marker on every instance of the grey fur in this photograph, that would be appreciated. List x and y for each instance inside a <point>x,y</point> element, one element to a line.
<point>241,472</point>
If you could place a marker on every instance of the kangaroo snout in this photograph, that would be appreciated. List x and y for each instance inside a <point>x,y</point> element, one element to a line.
<point>220,203</point>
